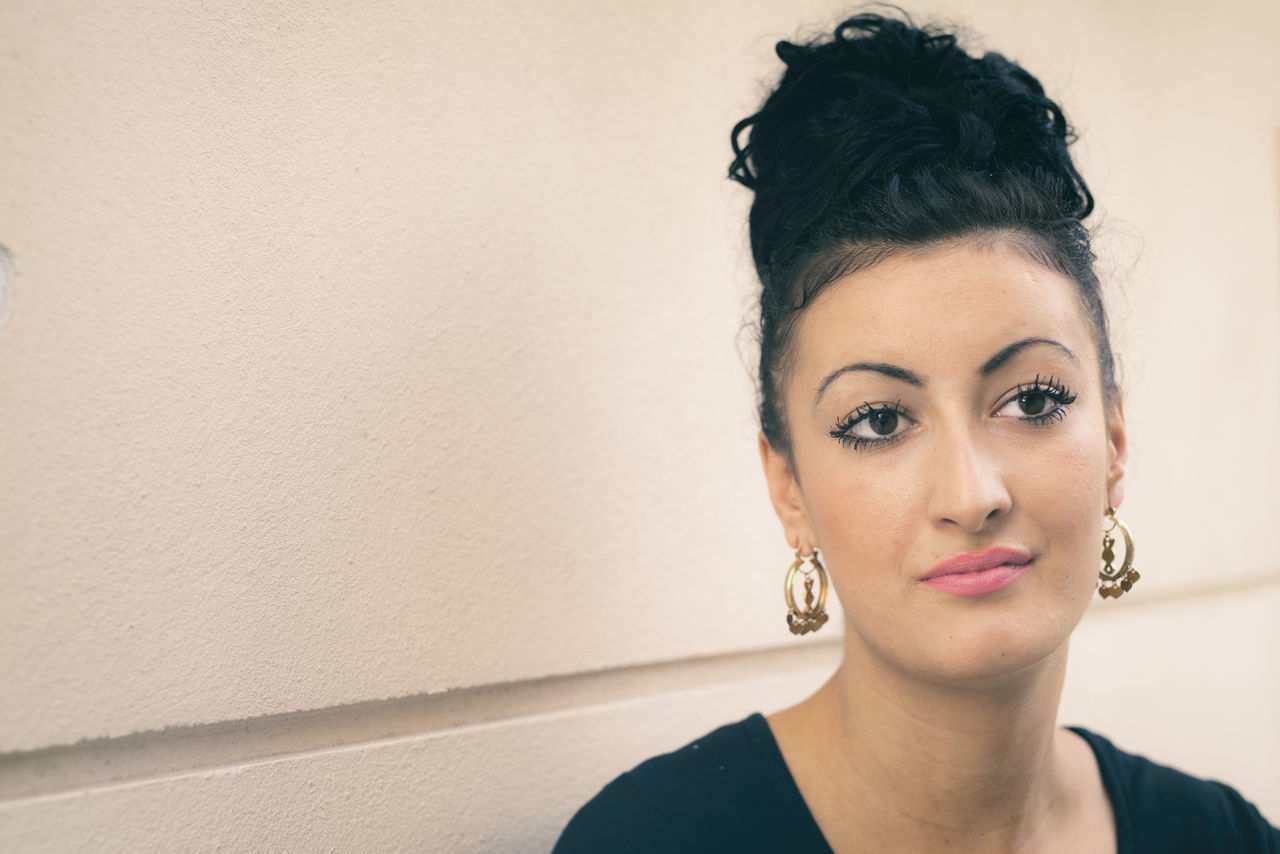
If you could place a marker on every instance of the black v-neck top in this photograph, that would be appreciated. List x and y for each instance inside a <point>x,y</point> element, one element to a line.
<point>731,791</point>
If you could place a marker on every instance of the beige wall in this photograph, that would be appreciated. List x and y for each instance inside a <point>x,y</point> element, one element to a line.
<point>378,468</point>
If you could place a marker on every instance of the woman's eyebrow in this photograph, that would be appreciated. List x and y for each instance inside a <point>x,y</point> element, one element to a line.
<point>911,378</point>
<point>892,371</point>
<point>992,364</point>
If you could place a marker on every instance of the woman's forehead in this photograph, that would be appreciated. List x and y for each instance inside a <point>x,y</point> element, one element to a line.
<point>943,304</point>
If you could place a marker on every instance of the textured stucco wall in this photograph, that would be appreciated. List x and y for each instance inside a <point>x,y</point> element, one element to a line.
<point>388,350</point>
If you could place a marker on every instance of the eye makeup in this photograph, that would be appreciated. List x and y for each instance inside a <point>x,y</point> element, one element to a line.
<point>871,424</point>
<point>1039,402</point>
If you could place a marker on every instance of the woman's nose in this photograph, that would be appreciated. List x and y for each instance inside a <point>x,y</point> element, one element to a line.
<point>969,489</point>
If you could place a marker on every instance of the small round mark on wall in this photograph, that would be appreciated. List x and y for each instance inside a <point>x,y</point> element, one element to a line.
<point>7,276</point>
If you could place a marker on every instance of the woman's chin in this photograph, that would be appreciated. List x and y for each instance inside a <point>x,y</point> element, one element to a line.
<point>976,655</point>
<point>979,659</point>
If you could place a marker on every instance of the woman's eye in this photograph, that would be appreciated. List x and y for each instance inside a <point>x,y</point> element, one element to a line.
<point>1038,402</point>
<point>882,423</point>
<point>872,424</point>
<point>1033,402</point>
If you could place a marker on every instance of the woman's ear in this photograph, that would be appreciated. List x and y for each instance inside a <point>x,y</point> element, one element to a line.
<point>784,493</point>
<point>1117,454</point>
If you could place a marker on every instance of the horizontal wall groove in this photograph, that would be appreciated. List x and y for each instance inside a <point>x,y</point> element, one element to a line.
<point>181,750</point>
<point>192,749</point>
<point>1182,593</point>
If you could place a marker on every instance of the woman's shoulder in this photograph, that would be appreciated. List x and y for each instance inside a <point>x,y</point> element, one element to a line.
<point>729,790</point>
<point>1163,809</point>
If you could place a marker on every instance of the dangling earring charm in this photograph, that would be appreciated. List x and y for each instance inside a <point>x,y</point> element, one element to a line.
<point>1114,582</point>
<point>813,617</point>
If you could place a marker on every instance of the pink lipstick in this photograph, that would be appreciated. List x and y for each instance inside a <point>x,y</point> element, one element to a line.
<point>975,573</point>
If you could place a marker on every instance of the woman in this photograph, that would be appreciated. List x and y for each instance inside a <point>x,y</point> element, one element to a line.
<point>940,422</point>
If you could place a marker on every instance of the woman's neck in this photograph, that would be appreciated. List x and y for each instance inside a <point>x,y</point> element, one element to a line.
<point>884,759</point>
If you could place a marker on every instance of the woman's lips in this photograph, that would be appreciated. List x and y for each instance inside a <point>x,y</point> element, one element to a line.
<point>975,573</point>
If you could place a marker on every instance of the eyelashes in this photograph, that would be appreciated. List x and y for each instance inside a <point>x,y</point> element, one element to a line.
<point>871,424</point>
<point>1033,398</point>
<point>1041,402</point>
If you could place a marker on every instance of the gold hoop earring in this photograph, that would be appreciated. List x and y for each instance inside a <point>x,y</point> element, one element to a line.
<point>813,617</point>
<point>1114,582</point>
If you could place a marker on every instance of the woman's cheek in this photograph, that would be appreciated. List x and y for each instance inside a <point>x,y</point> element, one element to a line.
<point>1066,501</point>
<point>868,520</point>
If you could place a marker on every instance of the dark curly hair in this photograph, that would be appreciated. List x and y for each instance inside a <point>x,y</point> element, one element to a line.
<point>886,136</point>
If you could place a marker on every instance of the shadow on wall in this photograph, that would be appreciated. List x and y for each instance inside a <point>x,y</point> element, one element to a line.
<point>7,277</point>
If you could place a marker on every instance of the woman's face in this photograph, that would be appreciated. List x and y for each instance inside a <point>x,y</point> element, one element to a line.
<point>944,403</point>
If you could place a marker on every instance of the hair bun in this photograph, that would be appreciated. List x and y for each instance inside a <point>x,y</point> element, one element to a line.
<point>883,97</point>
